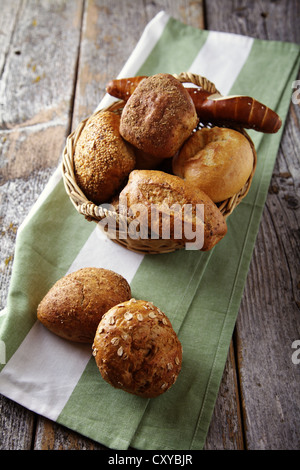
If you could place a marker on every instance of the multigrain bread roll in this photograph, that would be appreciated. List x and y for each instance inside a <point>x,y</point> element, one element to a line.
<point>102,159</point>
<point>219,161</point>
<point>152,196</point>
<point>137,350</point>
<point>158,117</point>
<point>75,304</point>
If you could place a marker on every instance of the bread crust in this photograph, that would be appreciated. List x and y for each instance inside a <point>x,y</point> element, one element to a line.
<point>159,116</point>
<point>137,350</point>
<point>75,304</point>
<point>102,159</point>
<point>148,188</point>
<point>219,161</point>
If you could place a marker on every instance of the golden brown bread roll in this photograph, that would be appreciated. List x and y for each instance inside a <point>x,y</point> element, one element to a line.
<point>102,159</point>
<point>75,304</point>
<point>158,117</point>
<point>219,161</point>
<point>137,350</point>
<point>172,197</point>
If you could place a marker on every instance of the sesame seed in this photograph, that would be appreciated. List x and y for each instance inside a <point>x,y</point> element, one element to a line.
<point>115,341</point>
<point>120,351</point>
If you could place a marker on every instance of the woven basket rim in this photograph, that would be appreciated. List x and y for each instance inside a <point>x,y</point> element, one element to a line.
<point>94,212</point>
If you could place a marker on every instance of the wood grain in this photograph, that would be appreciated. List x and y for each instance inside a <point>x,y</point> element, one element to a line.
<point>38,73</point>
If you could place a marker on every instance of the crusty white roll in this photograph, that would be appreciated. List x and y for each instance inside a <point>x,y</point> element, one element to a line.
<point>137,350</point>
<point>151,196</point>
<point>158,117</point>
<point>219,161</point>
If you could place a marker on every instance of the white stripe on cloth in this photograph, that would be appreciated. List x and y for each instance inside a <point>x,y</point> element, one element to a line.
<point>221,59</point>
<point>100,252</point>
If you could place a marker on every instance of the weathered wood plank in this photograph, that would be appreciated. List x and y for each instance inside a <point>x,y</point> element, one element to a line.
<point>9,12</point>
<point>264,19</point>
<point>226,430</point>
<point>36,91</point>
<point>36,97</point>
<point>16,426</point>
<point>268,320</point>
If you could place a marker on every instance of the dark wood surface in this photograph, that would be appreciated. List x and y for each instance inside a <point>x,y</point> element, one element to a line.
<point>55,60</point>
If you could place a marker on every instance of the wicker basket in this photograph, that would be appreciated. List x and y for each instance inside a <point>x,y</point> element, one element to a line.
<point>95,213</point>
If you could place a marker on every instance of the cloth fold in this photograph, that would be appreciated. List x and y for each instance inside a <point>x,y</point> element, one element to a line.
<point>200,292</point>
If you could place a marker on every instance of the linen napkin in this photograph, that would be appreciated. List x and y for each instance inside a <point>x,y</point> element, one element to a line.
<point>200,292</point>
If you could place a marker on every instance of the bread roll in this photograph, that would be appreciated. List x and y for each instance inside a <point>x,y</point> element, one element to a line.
<point>172,197</point>
<point>75,304</point>
<point>158,117</point>
<point>219,161</point>
<point>102,159</point>
<point>137,350</point>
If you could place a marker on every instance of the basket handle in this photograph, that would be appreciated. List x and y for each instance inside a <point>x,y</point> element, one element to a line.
<point>203,82</point>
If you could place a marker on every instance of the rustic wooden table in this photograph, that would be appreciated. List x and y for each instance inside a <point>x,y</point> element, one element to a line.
<point>55,58</point>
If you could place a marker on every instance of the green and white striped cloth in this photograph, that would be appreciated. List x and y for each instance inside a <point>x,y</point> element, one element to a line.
<point>200,292</point>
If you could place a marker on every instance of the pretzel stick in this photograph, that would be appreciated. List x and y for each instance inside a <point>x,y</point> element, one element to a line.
<point>242,110</point>
<point>123,88</point>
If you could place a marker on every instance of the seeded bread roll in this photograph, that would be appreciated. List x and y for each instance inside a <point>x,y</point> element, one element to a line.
<point>137,350</point>
<point>158,117</point>
<point>151,195</point>
<point>75,304</point>
<point>102,159</point>
<point>219,161</point>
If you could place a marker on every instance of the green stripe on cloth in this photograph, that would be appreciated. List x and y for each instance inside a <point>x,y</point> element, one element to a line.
<point>98,411</point>
<point>172,280</point>
<point>40,259</point>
